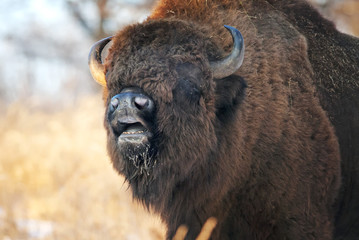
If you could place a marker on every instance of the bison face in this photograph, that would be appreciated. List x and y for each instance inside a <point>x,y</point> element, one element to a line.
<point>165,102</point>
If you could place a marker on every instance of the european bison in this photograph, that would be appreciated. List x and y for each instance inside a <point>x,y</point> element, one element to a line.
<point>268,145</point>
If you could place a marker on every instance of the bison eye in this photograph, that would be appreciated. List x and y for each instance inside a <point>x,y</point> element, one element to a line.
<point>186,92</point>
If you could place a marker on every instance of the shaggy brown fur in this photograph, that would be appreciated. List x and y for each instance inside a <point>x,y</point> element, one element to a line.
<point>257,149</point>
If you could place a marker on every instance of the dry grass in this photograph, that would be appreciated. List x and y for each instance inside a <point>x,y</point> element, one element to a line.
<point>57,182</point>
<point>347,15</point>
<point>205,233</point>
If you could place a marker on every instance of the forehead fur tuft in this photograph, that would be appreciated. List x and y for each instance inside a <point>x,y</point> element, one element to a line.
<point>164,37</point>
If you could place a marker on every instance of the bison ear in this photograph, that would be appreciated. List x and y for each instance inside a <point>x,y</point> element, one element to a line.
<point>230,64</point>
<point>95,62</point>
<point>230,92</point>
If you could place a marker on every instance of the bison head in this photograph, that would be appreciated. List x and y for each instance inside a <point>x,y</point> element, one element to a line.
<point>170,92</point>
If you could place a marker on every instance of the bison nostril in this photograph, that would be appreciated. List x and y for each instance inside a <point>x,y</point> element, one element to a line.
<point>141,102</point>
<point>114,102</point>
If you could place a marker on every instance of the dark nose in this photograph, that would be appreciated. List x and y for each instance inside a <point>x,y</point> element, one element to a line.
<point>131,101</point>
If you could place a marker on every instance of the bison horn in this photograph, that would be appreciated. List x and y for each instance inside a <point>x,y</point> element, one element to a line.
<point>95,63</point>
<point>230,64</point>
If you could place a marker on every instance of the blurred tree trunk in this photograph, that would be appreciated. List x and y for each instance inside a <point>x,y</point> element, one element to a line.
<point>102,10</point>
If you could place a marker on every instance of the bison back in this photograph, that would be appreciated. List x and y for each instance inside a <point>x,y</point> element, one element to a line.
<point>334,57</point>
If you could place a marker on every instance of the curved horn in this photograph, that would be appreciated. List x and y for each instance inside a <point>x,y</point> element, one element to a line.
<point>95,62</point>
<point>230,64</point>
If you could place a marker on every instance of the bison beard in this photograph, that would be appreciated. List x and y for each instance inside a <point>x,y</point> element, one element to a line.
<point>198,134</point>
<point>140,158</point>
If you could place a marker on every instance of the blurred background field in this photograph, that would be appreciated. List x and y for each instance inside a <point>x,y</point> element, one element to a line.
<point>56,180</point>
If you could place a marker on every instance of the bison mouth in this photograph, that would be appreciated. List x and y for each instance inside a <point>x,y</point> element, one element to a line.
<point>134,133</point>
<point>135,143</point>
